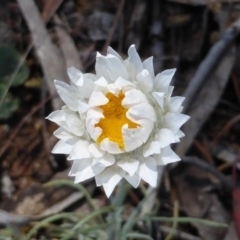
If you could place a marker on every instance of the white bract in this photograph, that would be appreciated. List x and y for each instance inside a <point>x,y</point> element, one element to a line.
<point>120,122</point>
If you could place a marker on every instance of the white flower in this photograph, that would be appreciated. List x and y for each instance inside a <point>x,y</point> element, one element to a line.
<point>120,122</point>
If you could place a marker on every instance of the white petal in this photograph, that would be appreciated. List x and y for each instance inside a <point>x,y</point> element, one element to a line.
<point>98,179</point>
<point>95,150</point>
<point>110,67</point>
<point>120,82</point>
<point>159,97</point>
<point>97,131</point>
<point>110,146</point>
<point>95,113</point>
<point>88,86</point>
<point>129,165</point>
<point>67,94</point>
<point>84,175</point>
<point>74,124</point>
<point>102,82</point>
<point>97,99</point>
<point>163,80</point>
<point>148,64</point>
<point>158,159</point>
<point>62,147</point>
<point>148,171</point>
<point>115,90</point>
<point>133,97</point>
<point>75,75</point>
<point>82,107</point>
<point>174,121</point>
<point>72,141</point>
<point>91,76</point>
<point>180,134</point>
<point>93,117</point>
<point>141,111</point>
<point>144,80</point>
<point>107,160</point>
<point>97,166</point>
<point>103,162</point>
<point>86,171</point>
<point>57,116</point>
<point>134,61</point>
<point>169,92</point>
<point>175,103</point>
<point>63,134</point>
<point>165,137</point>
<point>113,52</point>
<point>111,176</point>
<point>133,180</point>
<point>82,82</point>
<point>134,138</point>
<point>79,165</point>
<point>66,110</point>
<point>80,150</point>
<point>180,109</point>
<point>169,156</point>
<point>152,148</point>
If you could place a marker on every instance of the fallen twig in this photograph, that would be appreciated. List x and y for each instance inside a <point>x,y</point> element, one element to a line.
<point>204,151</point>
<point>13,219</point>
<point>52,64</point>
<point>136,24</point>
<point>114,25</point>
<point>204,103</point>
<point>210,63</point>
<point>63,204</point>
<point>226,154</point>
<point>71,54</point>
<point>194,161</point>
<point>226,128</point>
<point>50,8</point>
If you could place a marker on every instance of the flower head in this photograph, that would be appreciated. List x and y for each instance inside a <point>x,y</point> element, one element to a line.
<point>120,122</point>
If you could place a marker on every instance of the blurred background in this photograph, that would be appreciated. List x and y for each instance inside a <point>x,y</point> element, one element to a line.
<point>197,198</point>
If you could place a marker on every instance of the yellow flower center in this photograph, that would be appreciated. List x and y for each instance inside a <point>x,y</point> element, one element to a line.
<point>114,119</point>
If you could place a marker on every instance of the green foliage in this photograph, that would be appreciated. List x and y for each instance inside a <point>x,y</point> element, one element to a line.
<point>9,105</point>
<point>105,223</point>
<point>9,61</point>
<point>10,233</point>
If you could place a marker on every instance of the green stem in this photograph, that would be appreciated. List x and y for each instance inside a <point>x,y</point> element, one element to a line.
<point>117,202</point>
<point>175,223</point>
<point>184,220</point>
<point>56,217</point>
<point>86,219</point>
<point>92,215</point>
<point>69,183</point>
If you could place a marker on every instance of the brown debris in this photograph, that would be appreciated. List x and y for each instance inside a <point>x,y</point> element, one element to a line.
<point>198,37</point>
<point>197,202</point>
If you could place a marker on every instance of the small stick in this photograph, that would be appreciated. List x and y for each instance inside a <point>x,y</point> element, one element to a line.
<point>204,151</point>
<point>210,63</point>
<point>111,32</point>
<point>194,161</point>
